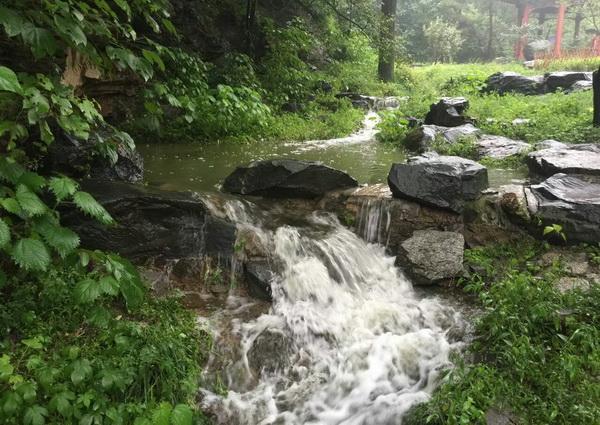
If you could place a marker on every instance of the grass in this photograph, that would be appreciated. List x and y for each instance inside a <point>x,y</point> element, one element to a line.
<point>535,348</point>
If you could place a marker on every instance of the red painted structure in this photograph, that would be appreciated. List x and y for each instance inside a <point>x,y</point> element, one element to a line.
<point>543,7</point>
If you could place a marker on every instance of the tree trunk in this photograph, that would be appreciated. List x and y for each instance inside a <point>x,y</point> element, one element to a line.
<point>387,35</point>
<point>597,98</point>
<point>578,20</point>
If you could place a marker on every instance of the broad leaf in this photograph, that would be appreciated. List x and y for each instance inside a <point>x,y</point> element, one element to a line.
<point>132,292</point>
<point>87,291</point>
<point>35,415</point>
<point>62,187</point>
<point>81,370</point>
<point>182,415</point>
<point>109,285</point>
<point>12,22</point>
<point>63,240</point>
<point>11,403</point>
<point>9,81</point>
<point>33,181</point>
<point>4,233</point>
<point>31,254</point>
<point>162,414</point>
<point>42,41</point>
<point>90,206</point>
<point>61,403</point>
<point>31,204</point>
<point>10,170</point>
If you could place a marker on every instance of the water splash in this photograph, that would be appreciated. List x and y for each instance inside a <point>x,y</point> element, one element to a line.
<point>374,220</point>
<point>346,340</point>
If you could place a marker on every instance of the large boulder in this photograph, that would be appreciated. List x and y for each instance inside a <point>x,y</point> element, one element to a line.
<point>81,158</point>
<point>580,86</point>
<point>448,112</point>
<point>440,181</point>
<point>287,179</point>
<point>431,256</point>
<point>570,159</point>
<point>565,80</point>
<point>499,147</point>
<point>573,201</point>
<point>511,82</point>
<point>420,139</point>
<point>152,223</point>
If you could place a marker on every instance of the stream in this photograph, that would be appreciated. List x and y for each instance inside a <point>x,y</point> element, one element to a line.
<point>347,340</point>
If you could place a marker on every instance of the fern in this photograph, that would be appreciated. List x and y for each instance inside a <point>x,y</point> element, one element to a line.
<point>86,203</point>
<point>62,187</point>
<point>31,254</point>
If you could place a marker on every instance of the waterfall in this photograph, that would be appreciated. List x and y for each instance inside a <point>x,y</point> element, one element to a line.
<point>374,221</point>
<point>346,340</point>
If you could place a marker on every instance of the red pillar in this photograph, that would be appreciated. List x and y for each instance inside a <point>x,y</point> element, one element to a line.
<point>522,42</point>
<point>560,27</point>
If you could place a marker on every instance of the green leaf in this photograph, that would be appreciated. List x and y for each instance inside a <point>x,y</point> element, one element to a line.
<point>162,414</point>
<point>99,316</point>
<point>35,415</point>
<point>81,370</point>
<point>29,201</point>
<point>11,403</point>
<point>154,58</point>
<point>40,40</point>
<point>62,187</point>
<point>132,292</point>
<point>10,170</point>
<point>109,285</point>
<point>9,81</point>
<point>31,254</point>
<point>12,206</point>
<point>6,369</point>
<point>61,403</point>
<point>87,291</point>
<point>11,21</point>
<point>28,391</point>
<point>4,233</point>
<point>182,415</point>
<point>33,181</point>
<point>71,30</point>
<point>63,240</point>
<point>90,206</point>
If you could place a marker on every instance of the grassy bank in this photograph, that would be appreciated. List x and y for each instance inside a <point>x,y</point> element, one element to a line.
<point>64,362</point>
<point>564,117</point>
<point>535,354</point>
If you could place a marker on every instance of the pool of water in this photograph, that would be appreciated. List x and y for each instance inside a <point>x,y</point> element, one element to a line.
<point>203,167</point>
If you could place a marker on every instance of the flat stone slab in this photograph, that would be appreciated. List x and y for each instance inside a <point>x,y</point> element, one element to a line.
<point>440,181</point>
<point>499,147</point>
<point>573,201</point>
<point>572,159</point>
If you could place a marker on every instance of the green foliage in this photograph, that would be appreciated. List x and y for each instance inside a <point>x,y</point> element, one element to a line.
<point>443,39</point>
<point>465,147</point>
<point>70,362</point>
<point>537,347</point>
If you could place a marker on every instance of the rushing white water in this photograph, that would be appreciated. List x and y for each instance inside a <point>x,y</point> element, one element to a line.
<point>346,340</point>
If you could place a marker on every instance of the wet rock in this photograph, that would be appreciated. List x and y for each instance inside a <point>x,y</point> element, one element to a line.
<point>259,275</point>
<point>571,159</point>
<point>358,100</point>
<point>287,179</point>
<point>389,102</point>
<point>580,86</point>
<point>421,138</point>
<point>439,181</point>
<point>511,82</point>
<point>572,201</point>
<point>431,256</point>
<point>448,112</point>
<point>565,80</point>
<point>499,147</point>
<point>152,223</point>
<point>500,417</point>
<point>550,144</point>
<point>80,158</point>
<point>190,269</point>
<point>270,351</point>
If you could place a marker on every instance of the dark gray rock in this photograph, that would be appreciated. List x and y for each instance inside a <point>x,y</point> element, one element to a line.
<point>580,86</point>
<point>439,181</point>
<point>498,147</point>
<point>287,179</point>
<point>431,256</point>
<point>421,138</point>
<point>358,100</point>
<point>259,275</point>
<point>271,351</point>
<point>81,158</point>
<point>565,80</point>
<point>573,201</point>
<point>571,159</point>
<point>448,112</point>
<point>152,223</point>
<point>511,82</point>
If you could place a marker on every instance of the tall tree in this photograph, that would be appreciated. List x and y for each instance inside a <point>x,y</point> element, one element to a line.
<point>387,40</point>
